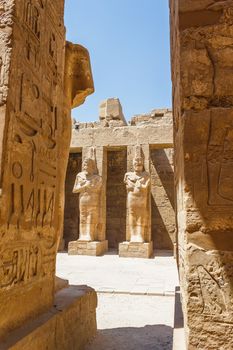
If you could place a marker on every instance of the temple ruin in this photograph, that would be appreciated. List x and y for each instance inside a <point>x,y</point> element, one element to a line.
<point>116,143</point>
<point>42,77</point>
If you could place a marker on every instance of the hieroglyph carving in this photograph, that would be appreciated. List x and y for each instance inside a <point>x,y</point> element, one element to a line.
<point>36,142</point>
<point>220,160</point>
<point>19,265</point>
<point>33,16</point>
<point>138,190</point>
<point>210,279</point>
<point>89,184</point>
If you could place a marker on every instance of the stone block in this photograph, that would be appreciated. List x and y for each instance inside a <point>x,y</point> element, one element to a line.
<point>93,248</point>
<point>135,250</point>
<point>69,324</point>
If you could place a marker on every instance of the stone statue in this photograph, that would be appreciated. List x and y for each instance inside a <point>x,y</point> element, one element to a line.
<point>138,185</point>
<point>88,184</point>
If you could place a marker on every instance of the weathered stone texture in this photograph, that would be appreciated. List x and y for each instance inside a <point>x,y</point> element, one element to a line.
<point>155,129</point>
<point>202,46</point>
<point>69,324</point>
<point>32,114</point>
<point>34,145</point>
<point>111,113</point>
<point>116,146</point>
<point>162,201</point>
<point>136,250</point>
<point>92,248</point>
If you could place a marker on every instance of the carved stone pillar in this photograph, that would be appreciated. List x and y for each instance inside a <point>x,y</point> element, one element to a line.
<point>91,186</point>
<point>138,227</point>
<point>202,72</point>
<point>34,145</point>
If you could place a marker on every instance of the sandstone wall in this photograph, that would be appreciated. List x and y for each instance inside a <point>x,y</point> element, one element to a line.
<point>162,202</point>
<point>202,46</point>
<point>154,132</point>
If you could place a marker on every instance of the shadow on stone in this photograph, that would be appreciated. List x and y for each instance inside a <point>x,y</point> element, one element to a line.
<point>150,337</point>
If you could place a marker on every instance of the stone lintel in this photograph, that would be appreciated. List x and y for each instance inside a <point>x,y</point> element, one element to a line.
<point>69,324</point>
<point>158,135</point>
<point>94,248</point>
<point>136,250</point>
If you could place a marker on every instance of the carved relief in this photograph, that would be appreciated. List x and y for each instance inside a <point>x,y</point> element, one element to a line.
<point>210,285</point>
<point>53,46</point>
<point>219,161</point>
<point>33,16</point>
<point>19,265</point>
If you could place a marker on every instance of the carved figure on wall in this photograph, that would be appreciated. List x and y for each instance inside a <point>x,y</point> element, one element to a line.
<point>88,184</point>
<point>138,185</point>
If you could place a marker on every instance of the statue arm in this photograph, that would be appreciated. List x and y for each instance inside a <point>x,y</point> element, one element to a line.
<point>129,184</point>
<point>146,184</point>
<point>79,185</point>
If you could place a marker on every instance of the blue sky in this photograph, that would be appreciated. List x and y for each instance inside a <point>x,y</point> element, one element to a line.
<point>128,41</point>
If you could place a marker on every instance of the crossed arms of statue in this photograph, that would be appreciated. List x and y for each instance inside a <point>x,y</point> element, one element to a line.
<point>133,183</point>
<point>82,184</point>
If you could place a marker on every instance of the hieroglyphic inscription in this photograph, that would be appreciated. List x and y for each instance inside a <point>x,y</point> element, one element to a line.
<point>220,160</point>
<point>210,286</point>
<point>35,126</point>
<point>34,152</point>
<point>33,16</point>
<point>19,265</point>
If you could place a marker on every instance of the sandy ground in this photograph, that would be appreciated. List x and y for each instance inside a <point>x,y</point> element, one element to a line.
<point>131,322</point>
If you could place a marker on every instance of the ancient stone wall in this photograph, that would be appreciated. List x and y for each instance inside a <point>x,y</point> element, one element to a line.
<point>154,132</point>
<point>162,202</point>
<point>202,47</point>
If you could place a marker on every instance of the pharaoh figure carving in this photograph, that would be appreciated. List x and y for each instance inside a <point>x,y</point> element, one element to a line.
<point>138,186</point>
<point>88,184</point>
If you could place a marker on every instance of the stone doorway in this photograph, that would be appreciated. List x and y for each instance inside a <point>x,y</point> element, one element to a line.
<point>116,197</point>
<point>162,198</point>
<point>71,213</point>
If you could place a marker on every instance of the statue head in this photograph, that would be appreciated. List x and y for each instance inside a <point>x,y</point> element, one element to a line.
<point>138,162</point>
<point>89,166</point>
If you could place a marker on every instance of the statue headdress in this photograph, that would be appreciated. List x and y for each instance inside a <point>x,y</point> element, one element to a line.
<point>92,156</point>
<point>138,152</point>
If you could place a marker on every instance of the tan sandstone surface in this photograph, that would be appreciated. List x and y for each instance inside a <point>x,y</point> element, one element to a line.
<point>202,45</point>
<point>35,104</point>
<point>115,143</point>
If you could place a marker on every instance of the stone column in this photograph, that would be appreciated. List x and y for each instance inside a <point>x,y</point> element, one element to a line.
<point>96,244</point>
<point>132,247</point>
<point>34,145</point>
<point>202,73</point>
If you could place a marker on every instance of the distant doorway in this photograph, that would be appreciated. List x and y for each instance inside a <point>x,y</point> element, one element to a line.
<point>71,215</point>
<point>116,197</point>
